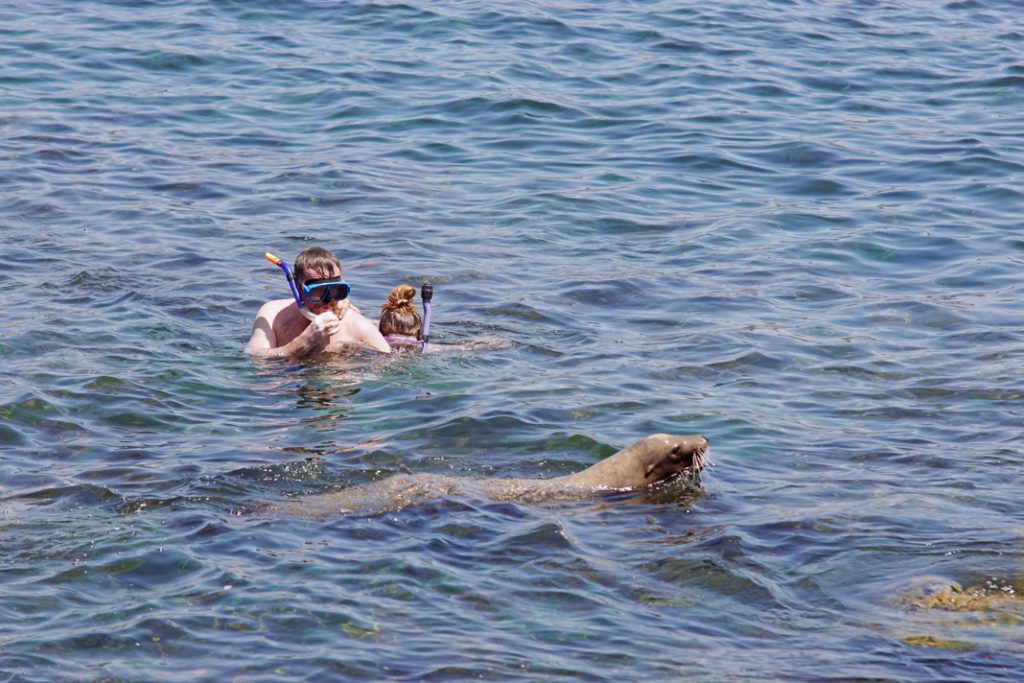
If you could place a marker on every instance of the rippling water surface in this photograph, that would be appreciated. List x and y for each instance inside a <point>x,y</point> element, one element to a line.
<point>792,226</point>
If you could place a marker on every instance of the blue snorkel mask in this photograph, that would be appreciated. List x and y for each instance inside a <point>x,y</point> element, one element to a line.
<point>326,290</point>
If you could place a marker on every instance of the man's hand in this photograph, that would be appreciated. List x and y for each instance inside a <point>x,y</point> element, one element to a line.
<point>320,329</point>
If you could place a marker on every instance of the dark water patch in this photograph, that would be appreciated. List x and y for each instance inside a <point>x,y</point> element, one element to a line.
<point>103,280</point>
<point>913,314</point>
<point>519,312</point>
<point>986,339</point>
<point>149,504</point>
<point>835,85</point>
<point>749,359</point>
<point>11,436</point>
<point>815,187</point>
<point>801,155</point>
<point>165,62</point>
<point>807,221</point>
<point>703,575</point>
<point>123,475</point>
<point>713,163</point>
<point>44,417</point>
<point>683,46</point>
<point>83,495</point>
<point>767,91</point>
<point>901,196</point>
<point>545,537</point>
<point>189,190</point>
<point>305,473</point>
<point>597,293</point>
<point>909,75</point>
<point>487,434</point>
<point>815,294</point>
<point>35,209</point>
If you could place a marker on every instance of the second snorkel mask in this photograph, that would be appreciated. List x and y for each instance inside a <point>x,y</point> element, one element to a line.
<point>426,293</point>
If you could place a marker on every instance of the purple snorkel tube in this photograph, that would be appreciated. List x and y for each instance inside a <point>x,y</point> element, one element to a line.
<point>291,284</point>
<point>426,293</point>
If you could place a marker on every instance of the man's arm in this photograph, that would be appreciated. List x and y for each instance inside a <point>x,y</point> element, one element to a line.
<point>367,333</point>
<point>263,343</point>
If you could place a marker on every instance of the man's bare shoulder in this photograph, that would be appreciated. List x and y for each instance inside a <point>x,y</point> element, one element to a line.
<point>359,318</point>
<point>272,308</point>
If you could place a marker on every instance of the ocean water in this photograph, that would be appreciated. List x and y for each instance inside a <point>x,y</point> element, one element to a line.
<point>793,226</point>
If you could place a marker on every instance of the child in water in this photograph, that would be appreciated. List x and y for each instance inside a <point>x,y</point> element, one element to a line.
<point>400,323</point>
<point>402,326</point>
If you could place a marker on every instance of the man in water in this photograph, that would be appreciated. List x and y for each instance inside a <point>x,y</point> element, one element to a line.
<point>282,331</point>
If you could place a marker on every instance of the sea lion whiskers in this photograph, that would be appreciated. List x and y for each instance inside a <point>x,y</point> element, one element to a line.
<point>699,461</point>
<point>684,457</point>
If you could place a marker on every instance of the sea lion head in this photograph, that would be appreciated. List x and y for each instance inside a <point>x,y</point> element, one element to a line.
<point>666,456</point>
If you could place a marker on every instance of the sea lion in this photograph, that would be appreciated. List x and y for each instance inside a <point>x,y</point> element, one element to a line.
<point>657,459</point>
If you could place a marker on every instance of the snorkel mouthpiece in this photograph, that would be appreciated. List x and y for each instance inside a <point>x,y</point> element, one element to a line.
<point>426,293</point>
<point>279,262</point>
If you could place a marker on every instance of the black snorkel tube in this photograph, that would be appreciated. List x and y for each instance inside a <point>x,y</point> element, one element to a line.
<point>426,293</point>
<point>291,283</point>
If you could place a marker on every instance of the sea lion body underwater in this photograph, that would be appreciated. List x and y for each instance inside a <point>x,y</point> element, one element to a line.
<point>654,460</point>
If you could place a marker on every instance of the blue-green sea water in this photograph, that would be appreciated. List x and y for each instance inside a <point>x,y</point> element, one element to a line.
<point>793,226</point>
